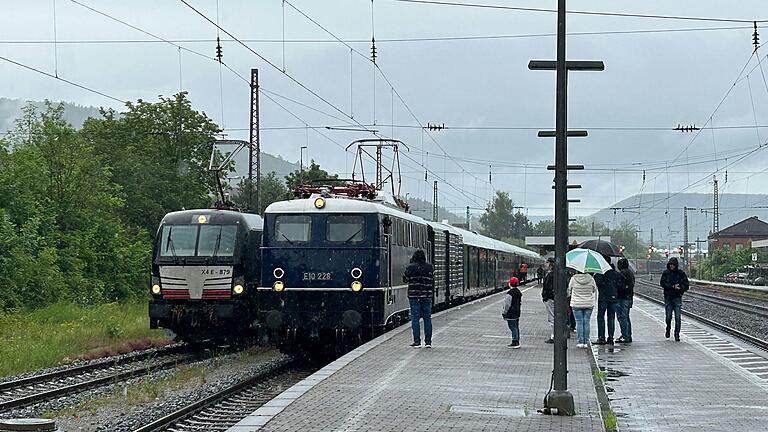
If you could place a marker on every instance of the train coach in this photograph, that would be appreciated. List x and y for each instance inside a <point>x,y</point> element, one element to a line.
<point>332,267</point>
<point>205,270</point>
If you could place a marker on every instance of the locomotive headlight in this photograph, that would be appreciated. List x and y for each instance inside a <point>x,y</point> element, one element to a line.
<point>356,286</point>
<point>156,289</point>
<point>356,273</point>
<point>238,289</point>
<point>278,273</point>
<point>278,286</point>
<point>319,202</point>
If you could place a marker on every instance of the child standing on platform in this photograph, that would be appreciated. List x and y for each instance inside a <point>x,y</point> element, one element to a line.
<point>511,311</point>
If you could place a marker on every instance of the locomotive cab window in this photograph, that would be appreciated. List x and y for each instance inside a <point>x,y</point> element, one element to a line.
<point>217,240</point>
<point>345,229</point>
<point>179,240</point>
<point>292,229</point>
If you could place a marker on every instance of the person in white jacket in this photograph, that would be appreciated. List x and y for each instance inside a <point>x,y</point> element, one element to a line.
<point>582,288</point>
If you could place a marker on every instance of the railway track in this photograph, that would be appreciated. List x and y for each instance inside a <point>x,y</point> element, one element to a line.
<point>47,386</point>
<point>222,410</point>
<point>760,343</point>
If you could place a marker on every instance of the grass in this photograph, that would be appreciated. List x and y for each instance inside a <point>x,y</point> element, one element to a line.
<point>64,332</point>
<point>610,421</point>
<point>599,375</point>
<point>136,394</point>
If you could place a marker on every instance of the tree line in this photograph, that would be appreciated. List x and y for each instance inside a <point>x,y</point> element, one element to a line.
<point>79,207</point>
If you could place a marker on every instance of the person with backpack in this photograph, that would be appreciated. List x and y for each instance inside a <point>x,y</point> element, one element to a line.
<point>675,283</point>
<point>625,296</point>
<point>511,310</point>
<point>548,297</point>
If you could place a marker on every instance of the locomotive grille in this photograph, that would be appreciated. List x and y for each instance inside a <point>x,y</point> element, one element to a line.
<point>196,282</point>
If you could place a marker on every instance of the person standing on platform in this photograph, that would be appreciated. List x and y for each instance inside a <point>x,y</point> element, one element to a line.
<point>419,277</point>
<point>523,272</point>
<point>626,295</point>
<point>608,285</point>
<point>511,310</point>
<point>548,297</point>
<point>582,287</point>
<point>675,283</point>
<point>539,274</point>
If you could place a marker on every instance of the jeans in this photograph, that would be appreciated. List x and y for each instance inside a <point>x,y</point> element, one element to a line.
<point>421,308</point>
<point>604,307</point>
<point>514,327</point>
<point>673,304</point>
<point>582,324</point>
<point>623,314</point>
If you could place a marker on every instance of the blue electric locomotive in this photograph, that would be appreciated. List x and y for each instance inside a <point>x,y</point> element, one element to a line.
<point>205,271</point>
<point>332,266</point>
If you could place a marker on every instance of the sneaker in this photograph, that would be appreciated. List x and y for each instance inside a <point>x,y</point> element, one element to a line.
<point>609,341</point>
<point>600,342</point>
<point>516,345</point>
<point>550,341</point>
<point>415,345</point>
<point>666,334</point>
<point>428,345</point>
<point>623,340</point>
<point>677,338</point>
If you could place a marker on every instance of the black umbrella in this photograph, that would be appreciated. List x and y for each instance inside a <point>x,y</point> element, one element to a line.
<point>603,247</point>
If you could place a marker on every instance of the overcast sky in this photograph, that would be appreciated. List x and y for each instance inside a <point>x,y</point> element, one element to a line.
<point>651,80</point>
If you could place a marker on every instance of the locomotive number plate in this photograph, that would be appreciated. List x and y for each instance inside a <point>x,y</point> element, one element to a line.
<point>317,276</point>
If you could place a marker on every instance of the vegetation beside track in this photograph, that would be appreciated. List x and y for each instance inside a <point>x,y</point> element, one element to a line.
<point>64,332</point>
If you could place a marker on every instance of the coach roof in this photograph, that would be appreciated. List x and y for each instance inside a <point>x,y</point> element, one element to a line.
<point>339,205</point>
<point>214,217</point>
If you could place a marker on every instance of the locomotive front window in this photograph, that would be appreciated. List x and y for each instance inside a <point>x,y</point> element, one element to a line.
<point>292,229</point>
<point>178,240</point>
<point>345,229</point>
<point>217,240</point>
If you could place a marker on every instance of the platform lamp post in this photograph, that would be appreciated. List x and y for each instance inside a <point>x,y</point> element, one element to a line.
<point>560,400</point>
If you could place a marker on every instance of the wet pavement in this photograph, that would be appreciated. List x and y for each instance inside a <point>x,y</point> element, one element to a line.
<point>707,382</point>
<point>470,380</point>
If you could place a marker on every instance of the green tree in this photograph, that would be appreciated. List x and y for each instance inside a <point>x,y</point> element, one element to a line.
<point>272,190</point>
<point>312,174</point>
<point>501,221</point>
<point>158,154</point>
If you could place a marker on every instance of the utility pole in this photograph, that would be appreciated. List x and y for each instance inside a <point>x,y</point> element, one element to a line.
<point>469,228</point>
<point>685,235</point>
<point>560,400</point>
<point>254,148</point>
<point>651,236</point>
<point>301,157</point>
<point>434,204</point>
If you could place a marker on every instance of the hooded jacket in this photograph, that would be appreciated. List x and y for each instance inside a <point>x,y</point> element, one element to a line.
<point>608,285</point>
<point>582,287</point>
<point>548,289</point>
<point>628,291</point>
<point>673,280</point>
<point>419,276</point>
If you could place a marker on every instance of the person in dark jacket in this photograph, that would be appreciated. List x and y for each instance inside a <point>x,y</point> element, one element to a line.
<point>675,283</point>
<point>625,295</point>
<point>419,277</point>
<point>608,285</point>
<point>548,297</point>
<point>511,310</point>
<point>539,274</point>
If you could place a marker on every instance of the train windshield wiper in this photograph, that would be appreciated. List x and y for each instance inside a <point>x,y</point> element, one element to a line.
<point>353,235</point>
<point>218,243</point>
<point>286,237</point>
<point>170,244</point>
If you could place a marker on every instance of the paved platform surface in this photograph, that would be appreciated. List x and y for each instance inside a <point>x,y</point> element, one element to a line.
<point>706,382</point>
<point>470,381</point>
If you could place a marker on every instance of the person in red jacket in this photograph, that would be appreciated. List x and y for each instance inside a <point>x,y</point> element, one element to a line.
<point>523,272</point>
<point>511,310</point>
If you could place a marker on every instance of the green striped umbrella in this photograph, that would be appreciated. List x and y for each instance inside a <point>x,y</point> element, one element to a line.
<point>586,261</point>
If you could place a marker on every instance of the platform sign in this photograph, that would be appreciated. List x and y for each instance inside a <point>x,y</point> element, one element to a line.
<point>754,256</point>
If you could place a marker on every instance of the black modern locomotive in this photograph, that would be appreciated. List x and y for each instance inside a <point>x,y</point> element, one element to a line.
<point>205,270</point>
<point>333,266</point>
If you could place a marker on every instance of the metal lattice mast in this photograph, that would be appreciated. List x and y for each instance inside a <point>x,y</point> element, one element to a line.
<point>469,227</point>
<point>254,149</point>
<point>434,203</point>
<point>716,207</point>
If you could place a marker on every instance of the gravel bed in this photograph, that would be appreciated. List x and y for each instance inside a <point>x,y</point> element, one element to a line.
<point>83,363</point>
<point>739,320</point>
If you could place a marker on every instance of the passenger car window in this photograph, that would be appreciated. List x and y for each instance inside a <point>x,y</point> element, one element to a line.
<point>347,229</point>
<point>292,229</point>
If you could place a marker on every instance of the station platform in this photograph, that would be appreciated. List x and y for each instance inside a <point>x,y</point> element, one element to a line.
<point>707,382</point>
<point>470,380</point>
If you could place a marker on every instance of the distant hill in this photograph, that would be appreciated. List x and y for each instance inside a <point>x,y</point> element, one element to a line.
<point>10,110</point>
<point>653,207</point>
